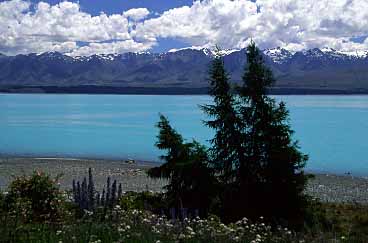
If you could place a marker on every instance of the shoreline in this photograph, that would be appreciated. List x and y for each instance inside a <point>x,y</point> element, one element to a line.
<point>328,187</point>
<point>151,163</point>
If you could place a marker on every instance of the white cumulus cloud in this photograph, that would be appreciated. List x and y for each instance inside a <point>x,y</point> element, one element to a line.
<point>136,13</point>
<point>292,24</point>
<point>60,27</point>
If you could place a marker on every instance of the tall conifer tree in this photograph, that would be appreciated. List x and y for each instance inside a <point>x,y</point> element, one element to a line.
<point>272,178</point>
<point>226,151</point>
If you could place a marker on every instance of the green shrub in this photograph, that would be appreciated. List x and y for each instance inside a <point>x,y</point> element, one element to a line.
<point>143,200</point>
<point>35,198</point>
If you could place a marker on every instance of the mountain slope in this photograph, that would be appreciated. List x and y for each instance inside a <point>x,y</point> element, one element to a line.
<point>325,69</point>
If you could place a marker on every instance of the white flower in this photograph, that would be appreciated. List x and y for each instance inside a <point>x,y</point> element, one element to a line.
<point>88,213</point>
<point>189,228</point>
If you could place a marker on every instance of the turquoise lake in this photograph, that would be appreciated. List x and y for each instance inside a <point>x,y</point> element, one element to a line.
<point>331,129</point>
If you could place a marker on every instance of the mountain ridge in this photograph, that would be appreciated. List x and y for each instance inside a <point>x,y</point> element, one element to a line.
<point>323,69</point>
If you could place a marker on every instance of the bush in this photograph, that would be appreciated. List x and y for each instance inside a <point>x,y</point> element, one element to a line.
<point>35,198</point>
<point>153,202</point>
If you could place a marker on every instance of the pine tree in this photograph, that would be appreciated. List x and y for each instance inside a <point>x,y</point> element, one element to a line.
<point>271,178</point>
<point>185,166</point>
<point>226,151</point>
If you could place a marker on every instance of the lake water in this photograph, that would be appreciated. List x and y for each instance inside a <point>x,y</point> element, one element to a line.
<point>331,129</point>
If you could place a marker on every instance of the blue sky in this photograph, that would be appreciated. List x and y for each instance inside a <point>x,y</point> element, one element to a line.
<point>94,7</point>
<point>87,27</point>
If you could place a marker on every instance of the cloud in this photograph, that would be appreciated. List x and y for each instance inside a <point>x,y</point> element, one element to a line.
<point>292,24</point>
<point>60,27</point>
<point>136,13</point>
<point>113,47</point>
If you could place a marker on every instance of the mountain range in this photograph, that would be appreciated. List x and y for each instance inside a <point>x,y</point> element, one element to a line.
<point>316,70</point>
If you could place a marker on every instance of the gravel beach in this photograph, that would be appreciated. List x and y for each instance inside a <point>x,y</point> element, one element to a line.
<point>327,187</point>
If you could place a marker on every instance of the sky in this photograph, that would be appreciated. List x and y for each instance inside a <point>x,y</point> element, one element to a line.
<point>88,27</point>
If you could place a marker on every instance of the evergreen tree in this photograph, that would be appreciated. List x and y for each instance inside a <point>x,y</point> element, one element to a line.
<point>226,151</point>
<point>185,166</point>
<point>271,179</point>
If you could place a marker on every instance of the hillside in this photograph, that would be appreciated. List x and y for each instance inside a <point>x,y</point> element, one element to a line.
<point>320,70</point>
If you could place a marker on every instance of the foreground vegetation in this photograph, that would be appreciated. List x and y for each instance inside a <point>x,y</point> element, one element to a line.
<point>35,210</point>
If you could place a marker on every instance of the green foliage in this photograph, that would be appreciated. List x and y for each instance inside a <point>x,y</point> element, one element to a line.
<point>141,226</point>
<point>226,152</point>
<point>273,169</point>
<point>35,198</point>
<point>128,222</point>
<point>185,166</point>
<point>259,166</point>
<point>153,202</point>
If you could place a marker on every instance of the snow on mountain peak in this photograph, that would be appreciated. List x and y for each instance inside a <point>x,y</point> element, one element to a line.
<point>278,55</point>
<point>206,51</point>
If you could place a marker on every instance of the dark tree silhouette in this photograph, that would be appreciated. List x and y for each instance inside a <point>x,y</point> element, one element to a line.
<point>226,151</point>
<point>185,166</point>
<point>271,179</point>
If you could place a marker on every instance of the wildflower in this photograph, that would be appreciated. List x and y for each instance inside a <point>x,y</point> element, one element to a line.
<point>58,232</point>
<point>189,228</point>
<point>127,227</point>
<point>158,241</point>
<point>236,238</point>
<point>88,213</point>
<point>181,236</point>
<point>343,238</point>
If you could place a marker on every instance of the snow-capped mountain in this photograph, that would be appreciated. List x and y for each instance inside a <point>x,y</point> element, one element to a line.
<point>278,55</point>
<point>324,68</point>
